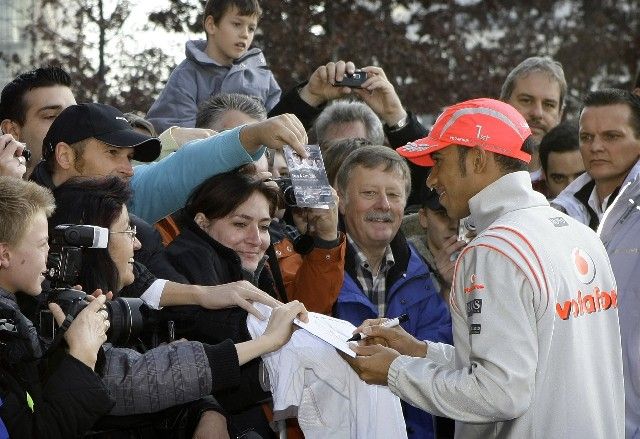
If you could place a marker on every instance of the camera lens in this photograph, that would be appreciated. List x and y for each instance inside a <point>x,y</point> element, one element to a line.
<point>126,320</point>
<point>26,153</point>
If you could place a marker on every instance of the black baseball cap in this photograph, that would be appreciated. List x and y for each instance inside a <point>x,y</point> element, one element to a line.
<point>102,122</point>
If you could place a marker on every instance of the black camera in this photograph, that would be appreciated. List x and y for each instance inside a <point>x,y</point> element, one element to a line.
<point>353,80</point>
<point>63,266</point>
<point>286,188</point>
<point>26,153</point>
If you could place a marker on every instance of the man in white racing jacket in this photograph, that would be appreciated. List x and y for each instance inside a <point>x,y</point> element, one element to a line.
<point>533,302</point>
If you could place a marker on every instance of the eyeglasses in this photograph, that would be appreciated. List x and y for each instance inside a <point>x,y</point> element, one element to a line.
<point>131,231</point>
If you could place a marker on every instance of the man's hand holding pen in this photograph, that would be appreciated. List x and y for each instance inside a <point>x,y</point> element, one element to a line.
<point>381,346</point>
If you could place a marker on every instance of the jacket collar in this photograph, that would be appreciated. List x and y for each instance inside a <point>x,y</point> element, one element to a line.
<point>195,50</point>
<point>510,192</point>
<point>574,198</point>
<point>227,254</point>
<point>401,254</point>
<point>42,175</point>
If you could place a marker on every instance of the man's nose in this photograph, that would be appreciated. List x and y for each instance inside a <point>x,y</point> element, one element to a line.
<point>126,169</point>
<point>382,202</point>
<point>596,144</point>
<point>536,109</point>
<point>137,245</point>
<point>431,179</point>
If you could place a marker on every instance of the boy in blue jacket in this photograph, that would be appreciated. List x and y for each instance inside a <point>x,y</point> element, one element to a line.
<point>223,63</point>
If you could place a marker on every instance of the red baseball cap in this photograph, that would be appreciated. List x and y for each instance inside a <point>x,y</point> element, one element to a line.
<point>490,124</point>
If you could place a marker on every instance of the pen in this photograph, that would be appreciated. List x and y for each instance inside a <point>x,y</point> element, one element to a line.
<point>388,324</point>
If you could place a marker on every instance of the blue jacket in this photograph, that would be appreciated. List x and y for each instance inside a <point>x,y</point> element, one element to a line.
<point>161,188</point>
<point>199,77</point>
<point>409,290</point>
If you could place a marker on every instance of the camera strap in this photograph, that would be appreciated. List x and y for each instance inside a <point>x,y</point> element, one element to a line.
<point>59,334</point>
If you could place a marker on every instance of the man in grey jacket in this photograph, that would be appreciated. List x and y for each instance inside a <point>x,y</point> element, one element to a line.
<point>606,197</point>
<point>533,301</point>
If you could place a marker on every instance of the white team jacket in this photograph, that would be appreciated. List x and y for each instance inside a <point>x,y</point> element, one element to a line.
<point>310,380</point>
<point>535,325</point>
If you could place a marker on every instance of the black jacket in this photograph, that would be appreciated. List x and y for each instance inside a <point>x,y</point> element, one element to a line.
<point>204,261</point>
<point>68,397</point>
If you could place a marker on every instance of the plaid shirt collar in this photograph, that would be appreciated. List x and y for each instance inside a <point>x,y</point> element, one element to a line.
<point>374,287</point>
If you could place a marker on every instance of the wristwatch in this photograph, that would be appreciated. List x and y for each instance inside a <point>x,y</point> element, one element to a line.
<point>399,125</point>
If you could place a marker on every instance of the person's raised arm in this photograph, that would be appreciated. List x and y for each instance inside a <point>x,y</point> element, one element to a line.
<point>239,293</point>
<point>274,133</point>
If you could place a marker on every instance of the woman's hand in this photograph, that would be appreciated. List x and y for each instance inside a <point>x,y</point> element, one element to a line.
<point>280,326</point>
<point>87,332</point>
<point>240,293</point>
<point>277,333</point>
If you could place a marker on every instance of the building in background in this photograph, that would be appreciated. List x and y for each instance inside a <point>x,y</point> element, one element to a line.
<point>14,41</point>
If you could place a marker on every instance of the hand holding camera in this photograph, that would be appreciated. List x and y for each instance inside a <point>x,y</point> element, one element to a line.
<point>13,157</point>
<point>87,332</point>
<point>352,80</point>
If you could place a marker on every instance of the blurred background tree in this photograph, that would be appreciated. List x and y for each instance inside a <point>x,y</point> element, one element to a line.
<point>435,52</point>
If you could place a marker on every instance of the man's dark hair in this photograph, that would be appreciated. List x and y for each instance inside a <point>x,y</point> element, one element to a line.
<point>217,8</point>
<point>615,96</point>
<point>97,202</point>
<point>12,105</point>
<point>637,84</point>
<point>506,164</point>
<point>221,194</point>
<point>213,108</point>
<point>561,138</point>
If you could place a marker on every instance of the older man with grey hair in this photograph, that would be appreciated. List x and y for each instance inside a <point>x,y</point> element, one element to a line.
<point>384,275</point>
<point>536,88</point>
<point>345,119</point>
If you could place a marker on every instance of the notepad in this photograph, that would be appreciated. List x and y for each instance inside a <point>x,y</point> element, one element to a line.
<point>334,331</point>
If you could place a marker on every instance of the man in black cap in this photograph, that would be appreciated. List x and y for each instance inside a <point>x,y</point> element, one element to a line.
<point>95,140</point>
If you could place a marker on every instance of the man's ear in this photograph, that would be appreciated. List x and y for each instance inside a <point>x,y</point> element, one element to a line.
<point>422,217</point>
<point>480,158</point>
<point>65,155</point>
<point>10,127</point>
<point>5,255</point>
<point>341,202</point>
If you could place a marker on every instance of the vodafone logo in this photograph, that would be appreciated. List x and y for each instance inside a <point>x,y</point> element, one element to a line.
<point>583,266</point>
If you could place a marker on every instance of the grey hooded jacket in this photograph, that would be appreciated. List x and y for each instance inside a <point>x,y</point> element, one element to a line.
<point>199,77</point>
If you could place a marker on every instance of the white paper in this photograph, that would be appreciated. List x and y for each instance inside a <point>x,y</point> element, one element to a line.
<point>334,331</point>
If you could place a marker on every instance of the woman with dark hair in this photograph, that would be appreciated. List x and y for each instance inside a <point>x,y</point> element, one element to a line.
<point>224,238</point>
<point>185,371</point>
<point>100,202</point>
<point>228,232</point>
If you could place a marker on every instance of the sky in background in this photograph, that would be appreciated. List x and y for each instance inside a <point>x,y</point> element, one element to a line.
<point>172,43</point>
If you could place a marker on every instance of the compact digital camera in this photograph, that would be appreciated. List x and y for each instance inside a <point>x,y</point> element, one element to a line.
<point>353,80</point>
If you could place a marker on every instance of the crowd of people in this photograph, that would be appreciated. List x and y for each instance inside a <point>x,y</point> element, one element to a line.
<point>506,233</point>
